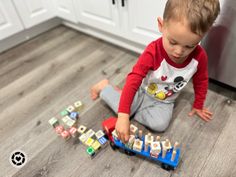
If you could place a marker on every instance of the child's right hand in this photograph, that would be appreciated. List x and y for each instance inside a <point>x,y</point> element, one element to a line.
<point>122,127</point>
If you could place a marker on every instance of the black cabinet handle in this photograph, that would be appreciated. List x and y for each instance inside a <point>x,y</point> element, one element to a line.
<point>113,1</point>
<point>123,3</point>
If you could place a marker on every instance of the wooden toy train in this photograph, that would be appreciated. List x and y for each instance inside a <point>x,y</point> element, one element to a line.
<point>161,152</point>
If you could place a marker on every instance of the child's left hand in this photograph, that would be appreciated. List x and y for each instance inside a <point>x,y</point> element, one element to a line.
<point>204,114</point>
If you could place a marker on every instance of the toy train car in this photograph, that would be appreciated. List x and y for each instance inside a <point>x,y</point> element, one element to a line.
<point>158,151</point>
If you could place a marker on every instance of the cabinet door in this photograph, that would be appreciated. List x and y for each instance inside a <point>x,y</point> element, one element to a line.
<point>65,10</point>
<point>101,14</point>
<point>142,19</point>
<point>9,21</point>
<point>33,12</point>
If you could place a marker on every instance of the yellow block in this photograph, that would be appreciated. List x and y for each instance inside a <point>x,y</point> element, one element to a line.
<point>89,141</point>
<point>96,145</point>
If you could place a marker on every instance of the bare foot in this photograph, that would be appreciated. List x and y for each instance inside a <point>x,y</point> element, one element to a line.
<point>97,88</point>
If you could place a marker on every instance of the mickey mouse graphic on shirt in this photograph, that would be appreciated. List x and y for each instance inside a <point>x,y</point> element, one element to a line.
<point>168,90</point>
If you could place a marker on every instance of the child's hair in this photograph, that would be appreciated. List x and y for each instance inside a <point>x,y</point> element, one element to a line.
<point>200,14</point>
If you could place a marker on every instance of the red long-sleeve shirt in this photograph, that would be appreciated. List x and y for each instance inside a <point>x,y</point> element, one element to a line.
<point>162,78</point>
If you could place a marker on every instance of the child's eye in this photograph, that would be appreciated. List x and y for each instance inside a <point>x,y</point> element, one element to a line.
<point>172,43</point>
<point>189,47</point>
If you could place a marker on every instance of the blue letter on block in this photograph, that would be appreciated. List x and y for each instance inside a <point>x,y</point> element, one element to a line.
<point>74,115</point>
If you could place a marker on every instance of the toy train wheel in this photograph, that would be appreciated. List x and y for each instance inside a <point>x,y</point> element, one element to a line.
<point>113,146</point>
<point>129,153</point>
<point>166,167</point>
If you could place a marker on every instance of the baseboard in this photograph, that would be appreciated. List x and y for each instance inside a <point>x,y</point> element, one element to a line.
<point>117,40</point>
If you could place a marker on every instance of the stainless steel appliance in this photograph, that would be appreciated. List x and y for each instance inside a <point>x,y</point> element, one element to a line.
<point>220,45</point>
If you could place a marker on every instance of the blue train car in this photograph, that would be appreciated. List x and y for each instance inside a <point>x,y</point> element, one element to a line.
<point>167,162</point>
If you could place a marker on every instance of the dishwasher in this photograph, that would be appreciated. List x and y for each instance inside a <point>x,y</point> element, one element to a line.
<point>220,45</point>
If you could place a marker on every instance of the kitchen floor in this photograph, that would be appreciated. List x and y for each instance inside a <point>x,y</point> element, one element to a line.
<point>41,77</point>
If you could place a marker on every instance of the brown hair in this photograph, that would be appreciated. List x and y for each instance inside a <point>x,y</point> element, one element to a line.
<point>200,14</point>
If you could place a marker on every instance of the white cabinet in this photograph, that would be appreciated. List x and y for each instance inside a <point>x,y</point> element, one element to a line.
<point>33,12</point>
<point>101,14</point>
<point>135,20</point>
<point>142,19</point>
<point>65,9</point>
<point>9,21</point>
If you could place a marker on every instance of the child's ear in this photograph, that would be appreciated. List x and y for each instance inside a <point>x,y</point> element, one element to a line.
<point>160,24</point>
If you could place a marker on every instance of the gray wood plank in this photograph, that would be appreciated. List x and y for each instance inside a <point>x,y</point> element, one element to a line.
<point>222,159</point>
<point>30,59</point>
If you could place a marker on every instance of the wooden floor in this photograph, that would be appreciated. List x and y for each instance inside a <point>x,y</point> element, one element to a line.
<point>41,77</point>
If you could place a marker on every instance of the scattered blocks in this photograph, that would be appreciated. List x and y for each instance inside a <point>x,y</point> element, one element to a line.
<point>59,129</point>
<point>96,146</point>
<point>65,134</point>
<point>82,129</point>
<point>74,115</point>
<point>83,138</point>
<point>90,133</point>
<point>73,131</point>
<point>53,122</point>
<point>70,108</point>
<point>103,141</point>
<point>90,151</point>
<point>89,141</point>
<point>78,106</point>
<point>99,134</point>
<point>64,113</point>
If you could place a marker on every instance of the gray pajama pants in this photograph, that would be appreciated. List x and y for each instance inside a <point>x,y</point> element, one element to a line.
<point>154,114</point>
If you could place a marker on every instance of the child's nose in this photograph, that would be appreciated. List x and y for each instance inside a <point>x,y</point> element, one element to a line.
<point>179,50</point>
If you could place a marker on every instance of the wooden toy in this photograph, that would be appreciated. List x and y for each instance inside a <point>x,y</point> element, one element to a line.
<point>70,108</point>
<point>65,134</point>
<point>59,129</point>
<point>160,152</point>
<point>90,133</point>
<point>140,134</point>
<point>64,113</point>
<point>96,146</point>
<point>103,141</point>
<point>74,115</point>
<point>53,122</point>
<point>99,134</point>
<point>65,119</point>
<point>138,144</point>
<point>149,139</point>
<point>89,141</point>
<point>131,141</point>
<point>83,138</point>
<point>73,131</point>
<point>78,106</point>
<point>81,129</point>
<point>155,149</point>
<point>166,144</point>
<point>133,129</point>
<point>94,141</point>
<point>90,151</point>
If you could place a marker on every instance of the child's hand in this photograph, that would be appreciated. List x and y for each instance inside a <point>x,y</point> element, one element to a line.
<point>204,113</point>
<point>122,127</point>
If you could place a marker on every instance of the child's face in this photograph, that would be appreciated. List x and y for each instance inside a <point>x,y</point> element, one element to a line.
<point>178,40</point>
